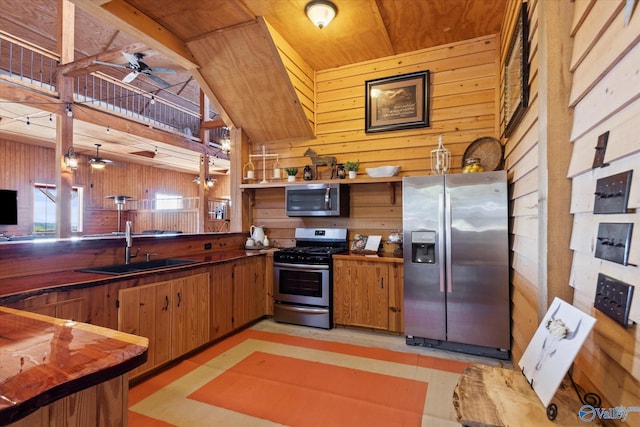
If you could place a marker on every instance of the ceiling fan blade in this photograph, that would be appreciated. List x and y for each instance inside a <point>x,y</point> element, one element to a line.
<point>158,80</point>
<point>162,70</point>
<point>129,77</point>
<point>111,64</point>
<point>131,58</point>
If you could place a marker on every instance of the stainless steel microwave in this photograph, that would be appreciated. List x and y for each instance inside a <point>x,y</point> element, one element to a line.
<point>317,200</point>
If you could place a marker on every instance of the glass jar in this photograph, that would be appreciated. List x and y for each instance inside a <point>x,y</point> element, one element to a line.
<point>306,175</point>
<point>472,165</point>
<point>341,171</point>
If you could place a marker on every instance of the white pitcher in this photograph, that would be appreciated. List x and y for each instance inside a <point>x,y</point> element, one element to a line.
<point>257,232</point>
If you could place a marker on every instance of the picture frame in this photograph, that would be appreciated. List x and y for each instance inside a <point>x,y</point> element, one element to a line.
<point>516,74</point>
<point>398,102</point>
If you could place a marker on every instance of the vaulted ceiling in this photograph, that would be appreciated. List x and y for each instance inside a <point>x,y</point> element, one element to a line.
<point>184,34</point>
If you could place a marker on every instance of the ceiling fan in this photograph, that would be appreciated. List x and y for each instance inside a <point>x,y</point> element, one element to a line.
<point>98,162</point>
<point>138,67</point>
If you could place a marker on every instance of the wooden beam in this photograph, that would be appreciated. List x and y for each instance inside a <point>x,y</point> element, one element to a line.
<point>87,65</point>
<point>213,124</point>
<point>132,21</point>
<point>554,144</point>
<point>65,30</point>
<point>64,127</point>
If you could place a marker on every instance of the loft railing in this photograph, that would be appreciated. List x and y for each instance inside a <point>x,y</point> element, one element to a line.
<point>28,65</point>
<point>100,91</point>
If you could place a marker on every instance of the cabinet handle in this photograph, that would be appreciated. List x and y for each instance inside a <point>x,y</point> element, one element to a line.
<point>179,298</point>
<point>166,303</point>
<point>382,283</point>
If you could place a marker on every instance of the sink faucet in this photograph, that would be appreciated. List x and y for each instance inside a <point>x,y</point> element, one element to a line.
<point>129,242</point>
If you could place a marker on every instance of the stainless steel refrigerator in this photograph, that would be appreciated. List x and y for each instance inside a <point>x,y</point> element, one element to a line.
<point>456,262</point>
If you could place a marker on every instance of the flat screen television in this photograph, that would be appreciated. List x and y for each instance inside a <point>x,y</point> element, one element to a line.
<point>8,207</point>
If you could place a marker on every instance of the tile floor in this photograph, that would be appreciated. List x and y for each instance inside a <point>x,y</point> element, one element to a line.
<point>279,374</point>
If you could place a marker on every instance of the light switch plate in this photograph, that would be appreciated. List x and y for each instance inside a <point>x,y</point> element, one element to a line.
<point>614,241</point>
<point>613,298</point>
<point>601,148</point>
<point>612,193</point>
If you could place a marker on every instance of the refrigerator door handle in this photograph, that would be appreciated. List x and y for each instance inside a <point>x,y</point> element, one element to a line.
<point>441,248</point>
<point>447,227</point>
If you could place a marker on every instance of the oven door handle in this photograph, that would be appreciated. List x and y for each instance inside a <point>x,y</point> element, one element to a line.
<point>301,266</point>
<point>298,309</point>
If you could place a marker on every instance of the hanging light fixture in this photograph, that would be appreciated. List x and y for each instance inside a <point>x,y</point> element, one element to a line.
<point>210,182</point>
<point>225,141</point>
<point>320,12</point>
<point>440,159</point>
<point>70,159</point>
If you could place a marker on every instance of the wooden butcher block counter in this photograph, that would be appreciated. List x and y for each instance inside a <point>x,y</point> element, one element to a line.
<point>488,396</point>
<point>60,372</point>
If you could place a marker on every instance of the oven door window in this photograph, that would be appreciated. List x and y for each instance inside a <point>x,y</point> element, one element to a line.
<point>301,283</point>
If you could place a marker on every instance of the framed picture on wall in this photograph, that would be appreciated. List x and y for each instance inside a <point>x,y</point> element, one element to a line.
<point>398,102</point>
<point>516,74</point>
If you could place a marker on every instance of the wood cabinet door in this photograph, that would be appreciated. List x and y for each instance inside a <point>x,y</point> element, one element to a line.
<point>221,298</point>
<point>396,298</point>
<point>190,313</point>
<point>342,292</point>
<point>146,311</point>
<point>248,291</point>
<point>370,294</point>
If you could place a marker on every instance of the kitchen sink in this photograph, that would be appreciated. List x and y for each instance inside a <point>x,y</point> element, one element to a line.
<point>135,267</point>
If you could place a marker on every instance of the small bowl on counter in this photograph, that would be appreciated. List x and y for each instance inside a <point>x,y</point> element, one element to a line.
<point>383,171</point>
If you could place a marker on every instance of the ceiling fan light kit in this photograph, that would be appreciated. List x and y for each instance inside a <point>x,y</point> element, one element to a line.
<point>98,162</point>
<point>320,12</point>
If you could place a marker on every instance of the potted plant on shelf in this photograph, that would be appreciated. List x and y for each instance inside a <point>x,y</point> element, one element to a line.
<point>291,173</point>
<point>352,167</point>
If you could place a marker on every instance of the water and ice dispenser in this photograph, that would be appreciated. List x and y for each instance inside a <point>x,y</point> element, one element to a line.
<point>423,247</point>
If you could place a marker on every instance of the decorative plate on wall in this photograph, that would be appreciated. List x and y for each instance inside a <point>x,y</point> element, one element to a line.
<point>488,149</point>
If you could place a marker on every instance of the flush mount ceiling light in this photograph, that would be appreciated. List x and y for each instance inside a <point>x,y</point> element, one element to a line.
<point>321,12</point>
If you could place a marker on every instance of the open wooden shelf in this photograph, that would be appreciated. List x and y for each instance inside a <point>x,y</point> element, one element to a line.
<point>389,180</point>
<point>285,183</point>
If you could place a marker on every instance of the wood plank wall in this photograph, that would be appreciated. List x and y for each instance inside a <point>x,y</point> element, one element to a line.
<point>606,98</point>
<point>462,108</point>
<point>29,164</point>
<point>523,165</point>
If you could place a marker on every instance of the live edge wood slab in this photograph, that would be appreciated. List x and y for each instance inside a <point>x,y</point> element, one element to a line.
<point>488,396</point>
<point>44,359</point>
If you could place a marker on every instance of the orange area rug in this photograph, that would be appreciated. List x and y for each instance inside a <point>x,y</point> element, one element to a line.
<point>261,378</point>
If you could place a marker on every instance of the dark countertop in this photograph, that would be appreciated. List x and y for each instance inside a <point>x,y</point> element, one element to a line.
<point>20,287</point>
<point>45,359</point>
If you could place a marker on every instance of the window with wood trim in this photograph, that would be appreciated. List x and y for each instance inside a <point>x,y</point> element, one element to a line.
<point>44,209</point>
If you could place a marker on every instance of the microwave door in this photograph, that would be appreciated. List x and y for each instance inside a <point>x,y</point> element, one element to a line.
<point>317,200</point>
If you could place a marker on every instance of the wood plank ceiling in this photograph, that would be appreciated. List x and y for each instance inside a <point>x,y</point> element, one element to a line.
<point>192,36</point>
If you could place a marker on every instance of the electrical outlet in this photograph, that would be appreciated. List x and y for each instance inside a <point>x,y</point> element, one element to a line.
<point>613,298</point>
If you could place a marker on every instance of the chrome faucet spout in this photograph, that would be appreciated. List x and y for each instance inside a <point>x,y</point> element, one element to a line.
<point>128,243</point>
<point>127,234</point>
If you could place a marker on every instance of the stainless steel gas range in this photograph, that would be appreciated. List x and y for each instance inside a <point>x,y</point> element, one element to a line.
<point>303,277</point>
